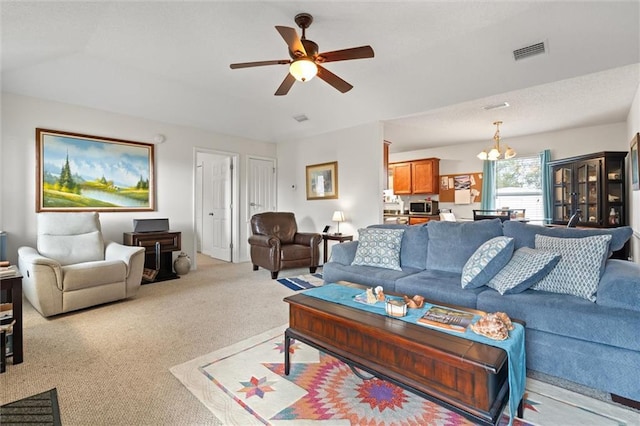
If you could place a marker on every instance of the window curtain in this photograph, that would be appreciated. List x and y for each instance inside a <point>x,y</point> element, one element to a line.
<point>488,200</point>
<point>547,204</point>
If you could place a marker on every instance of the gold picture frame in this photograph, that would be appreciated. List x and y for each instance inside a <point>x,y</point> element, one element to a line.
<point>76,172</point>
<point>322,181</point>
<point>634,159</point>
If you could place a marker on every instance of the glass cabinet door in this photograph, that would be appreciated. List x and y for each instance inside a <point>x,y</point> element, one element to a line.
<point>588,182</point>
<point>563,189</point>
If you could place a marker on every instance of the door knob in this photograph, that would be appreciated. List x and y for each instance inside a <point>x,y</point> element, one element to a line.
<point>210,214</point>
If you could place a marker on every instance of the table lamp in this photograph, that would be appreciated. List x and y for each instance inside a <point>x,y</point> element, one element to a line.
<point>338,216</point>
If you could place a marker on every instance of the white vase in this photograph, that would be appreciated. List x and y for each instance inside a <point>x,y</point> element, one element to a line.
<point>182,264</point>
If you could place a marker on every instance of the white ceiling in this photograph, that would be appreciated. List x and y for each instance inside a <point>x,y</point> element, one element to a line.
<point>436,64</point>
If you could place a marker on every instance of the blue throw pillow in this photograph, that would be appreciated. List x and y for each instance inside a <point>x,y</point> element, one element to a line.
<point>526,267</point>
<point>580,268</point>
<point>451,244</point>
<point>486,262</point>
<point>379,247</point>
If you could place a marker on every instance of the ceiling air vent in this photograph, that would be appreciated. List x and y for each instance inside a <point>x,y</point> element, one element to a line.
<point>525,52</point>
<point>300,118</point>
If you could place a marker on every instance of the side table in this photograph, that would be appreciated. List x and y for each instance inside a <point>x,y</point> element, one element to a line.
<point>13,287</point>
<point>333,237</point>
<point>158,250</point>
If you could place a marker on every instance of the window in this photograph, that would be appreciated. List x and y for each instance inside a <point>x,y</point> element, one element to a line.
<point>519,186</point>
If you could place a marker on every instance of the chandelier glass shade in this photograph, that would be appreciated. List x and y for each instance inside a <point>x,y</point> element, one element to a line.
<point>496,152</point>
<point>303,69</point>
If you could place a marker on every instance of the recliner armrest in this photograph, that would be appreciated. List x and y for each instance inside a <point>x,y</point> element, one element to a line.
<point>264,240</point>
<point>307,238</point>
<point>117,251</point>
<point>31,256</point>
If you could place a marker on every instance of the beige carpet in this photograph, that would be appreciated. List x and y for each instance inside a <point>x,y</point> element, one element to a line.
<point>111,363</point>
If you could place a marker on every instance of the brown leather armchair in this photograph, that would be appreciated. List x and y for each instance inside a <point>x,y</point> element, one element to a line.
<point>276,243</point>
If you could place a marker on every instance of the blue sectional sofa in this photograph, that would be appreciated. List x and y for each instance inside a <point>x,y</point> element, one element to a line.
<point>594,342</point>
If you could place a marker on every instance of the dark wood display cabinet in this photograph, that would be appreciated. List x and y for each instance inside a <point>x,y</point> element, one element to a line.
<point>159,247</point>
<point>594,184</point>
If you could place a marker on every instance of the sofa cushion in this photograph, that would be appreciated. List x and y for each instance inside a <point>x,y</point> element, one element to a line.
<point>451,244</point>
<point>93,274</point>
<point>526,267</point>
<point>486,262</point>
<point>580,267</point>
<point>379,247</point>
<point>567,315</point>
<point>439,286</point>
<point>366,275</point>
<point>525,233</point>
<point>619,286</point>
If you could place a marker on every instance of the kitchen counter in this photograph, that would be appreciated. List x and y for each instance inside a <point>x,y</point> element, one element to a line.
<point>411,219</point>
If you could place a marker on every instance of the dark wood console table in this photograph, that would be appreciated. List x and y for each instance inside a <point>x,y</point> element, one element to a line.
<point>13,287</point>
<point>159,247</point>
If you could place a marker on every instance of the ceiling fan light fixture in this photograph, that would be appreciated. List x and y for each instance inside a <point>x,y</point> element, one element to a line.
<point>303,69</point>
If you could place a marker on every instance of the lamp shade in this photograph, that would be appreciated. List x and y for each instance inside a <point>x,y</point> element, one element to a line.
<point>303,69</point>
<point>338,216</point>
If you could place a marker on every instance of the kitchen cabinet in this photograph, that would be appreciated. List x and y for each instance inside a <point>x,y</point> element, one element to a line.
<point>595,184</point>
<point>416,177</point>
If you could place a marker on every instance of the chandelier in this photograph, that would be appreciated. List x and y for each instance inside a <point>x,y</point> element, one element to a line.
<point>496,152</point>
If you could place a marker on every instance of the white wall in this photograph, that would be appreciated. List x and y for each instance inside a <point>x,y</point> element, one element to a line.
<point>633,127</point>
<point>358,152</point>
<point>460,159</point>
<point>174,166</point>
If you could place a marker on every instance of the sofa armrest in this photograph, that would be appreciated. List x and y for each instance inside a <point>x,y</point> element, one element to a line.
<point>41,281</point>
<point>133,258</point>
<point>264,241</point>
<point>310,239</point>
<point>619,286</point>
<point>344,253</point>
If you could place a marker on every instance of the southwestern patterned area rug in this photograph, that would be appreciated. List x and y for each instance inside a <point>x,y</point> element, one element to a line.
<point>244,384</point>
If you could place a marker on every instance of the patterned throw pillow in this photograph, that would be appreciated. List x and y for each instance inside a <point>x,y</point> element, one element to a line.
<point>526,267</point>
<point>487,261</point>
<point>579,270</point>
<point>379,247</point>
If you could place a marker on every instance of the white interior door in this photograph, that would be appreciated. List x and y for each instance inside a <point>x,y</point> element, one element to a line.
<point>216,205</point>
<point>261,187</point>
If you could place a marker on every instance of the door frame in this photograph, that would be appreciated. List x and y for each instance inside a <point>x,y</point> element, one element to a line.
<point>235,199</point>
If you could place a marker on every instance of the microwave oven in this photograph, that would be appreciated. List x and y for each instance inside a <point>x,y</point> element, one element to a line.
<point>423,207</point>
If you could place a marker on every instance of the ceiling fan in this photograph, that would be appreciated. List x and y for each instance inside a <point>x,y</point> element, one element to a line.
<point>305,62</point>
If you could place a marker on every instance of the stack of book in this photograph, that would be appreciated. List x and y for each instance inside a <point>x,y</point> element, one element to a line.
<point>6,269</point>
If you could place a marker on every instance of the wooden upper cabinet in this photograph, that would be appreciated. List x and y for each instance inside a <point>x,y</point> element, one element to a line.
<point>402,178</point>
<point>416,177</point>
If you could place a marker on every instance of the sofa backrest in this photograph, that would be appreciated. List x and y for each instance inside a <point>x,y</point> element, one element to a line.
<point>524,234</point>
<point>451,244</point>
<point>413,250</point>
<point>70,238</point>
<point>281,225</point>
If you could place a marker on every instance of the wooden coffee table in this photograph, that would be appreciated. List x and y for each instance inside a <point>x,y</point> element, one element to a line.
<point>467,377</point>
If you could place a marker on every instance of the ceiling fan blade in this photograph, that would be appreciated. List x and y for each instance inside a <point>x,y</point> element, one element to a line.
<point>333,80</point>
<point>361,52</point>
<point>260,63</point>
<point>286,85</point>
<point>290,36</point>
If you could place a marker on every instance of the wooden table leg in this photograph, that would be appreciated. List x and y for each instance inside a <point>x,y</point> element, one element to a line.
<point>287,345</point>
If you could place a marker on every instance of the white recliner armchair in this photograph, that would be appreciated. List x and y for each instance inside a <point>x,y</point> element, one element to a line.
<point>74,268</point>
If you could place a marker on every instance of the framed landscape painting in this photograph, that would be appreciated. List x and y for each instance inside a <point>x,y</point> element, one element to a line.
<point>322,181</point>
<point>77,172</point>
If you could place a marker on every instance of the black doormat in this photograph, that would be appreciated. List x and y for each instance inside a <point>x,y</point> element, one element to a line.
<point>41,409</point>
